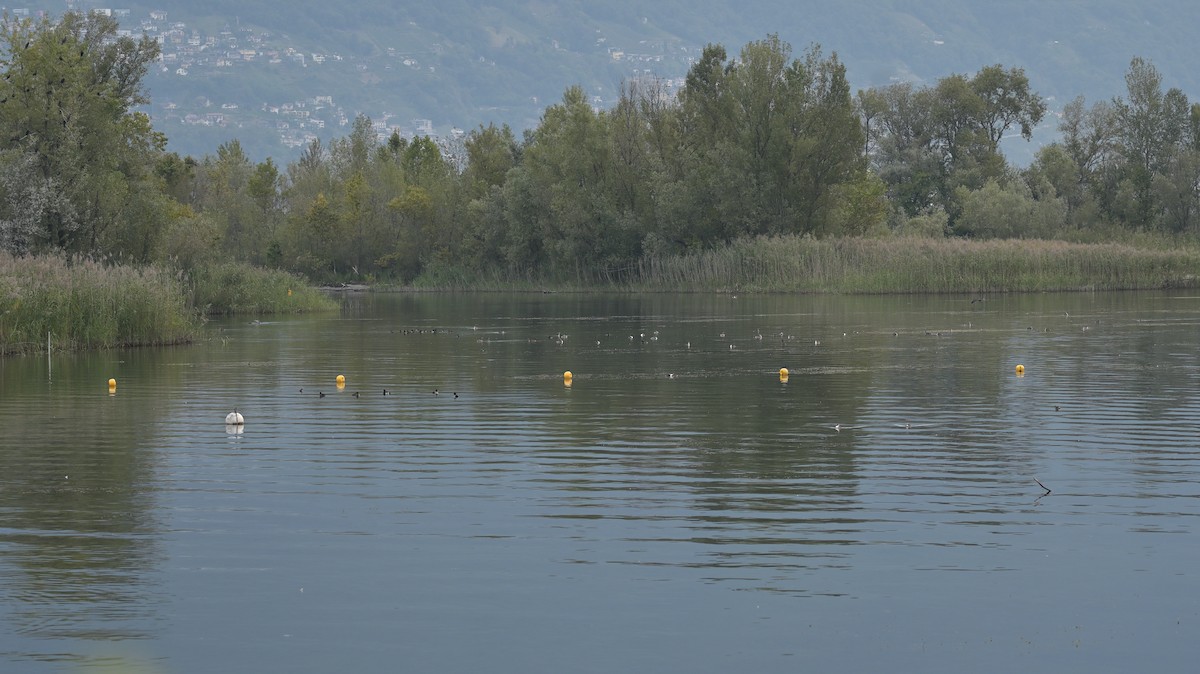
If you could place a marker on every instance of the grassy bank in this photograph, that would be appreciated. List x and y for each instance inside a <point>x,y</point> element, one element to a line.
<point>239,288</point>
<point>873,265</point>
<point>81,304</point>
<point>84,305</point>
<point>913,265</point>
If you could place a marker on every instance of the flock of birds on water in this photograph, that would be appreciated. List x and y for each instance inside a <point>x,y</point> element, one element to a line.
<point>236,420</point>
<point>386,392</point>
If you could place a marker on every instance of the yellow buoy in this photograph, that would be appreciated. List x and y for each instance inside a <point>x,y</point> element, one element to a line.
<point>112,383</point>
<point>1020,369</point>
<point>341,379</point>
<point>783,373</point>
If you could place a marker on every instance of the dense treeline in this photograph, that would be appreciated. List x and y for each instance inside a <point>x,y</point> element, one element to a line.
<point>764,144</point>
<point>1126,164</point>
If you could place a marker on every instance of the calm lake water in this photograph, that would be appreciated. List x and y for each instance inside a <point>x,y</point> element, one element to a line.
<point>879,511</point>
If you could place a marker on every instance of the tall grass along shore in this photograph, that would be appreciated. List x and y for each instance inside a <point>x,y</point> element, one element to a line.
<point>861,265</point>
<point>81,304</point>
<point>915,265</point>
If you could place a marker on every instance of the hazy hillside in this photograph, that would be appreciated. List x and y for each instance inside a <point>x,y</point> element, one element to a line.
<point>254,70</point>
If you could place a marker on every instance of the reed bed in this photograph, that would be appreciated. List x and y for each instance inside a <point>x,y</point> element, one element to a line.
<point>911,265</point>
<point>82,304</point>
<point>239,288</point>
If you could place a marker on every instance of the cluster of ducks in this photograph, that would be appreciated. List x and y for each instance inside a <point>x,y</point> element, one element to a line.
<point>386,392</point>
<point>236,419</point>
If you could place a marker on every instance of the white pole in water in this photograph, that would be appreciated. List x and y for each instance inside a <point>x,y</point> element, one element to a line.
<point>49,365</point>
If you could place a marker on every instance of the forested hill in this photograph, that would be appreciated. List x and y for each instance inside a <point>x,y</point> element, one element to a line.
<point>238,68</point>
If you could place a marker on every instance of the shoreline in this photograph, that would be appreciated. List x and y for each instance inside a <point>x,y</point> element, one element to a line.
<point>863,266</point>
<point>86,305</point>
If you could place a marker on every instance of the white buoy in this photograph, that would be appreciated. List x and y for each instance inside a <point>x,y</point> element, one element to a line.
<point>234,418</point>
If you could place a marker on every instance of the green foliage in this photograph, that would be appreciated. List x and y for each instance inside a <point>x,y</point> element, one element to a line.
<point>190,240</point>
<point>1130,162</point>
<point>761,145</point>
<point>78,160</point>
<point>765,139</point>
<point>1006,101</point>
<point>927,142</point>
<point>1177,188</point>
<point>82,304</point>
<point>929,224</point>
<point>918,265</point>
<point>491,153</point>
<point>1007,211</point>
<point>765,143</point>
<point>859,206</point>
<point>239,288</point>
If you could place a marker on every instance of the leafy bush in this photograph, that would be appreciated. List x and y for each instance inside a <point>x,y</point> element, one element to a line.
<point>240,288</point>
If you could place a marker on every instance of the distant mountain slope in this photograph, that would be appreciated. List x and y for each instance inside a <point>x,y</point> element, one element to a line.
<point>460,64</point>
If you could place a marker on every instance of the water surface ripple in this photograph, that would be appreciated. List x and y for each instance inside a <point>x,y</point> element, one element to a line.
<point>678,507</point>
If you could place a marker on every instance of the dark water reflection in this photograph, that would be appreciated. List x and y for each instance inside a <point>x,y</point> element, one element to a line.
<point>677,508</point>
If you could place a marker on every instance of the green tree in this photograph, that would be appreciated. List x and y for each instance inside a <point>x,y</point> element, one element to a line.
<point>858,206</point>
<point>491,152</point>
<point>765,139</point>
<point>68,121</point>
<point>1177,188</point>
<point>1088,135</point>
<point>222,192</point>
<point>1150,123</point>
<point>705,109</point>
<point>1055,173</point>
<point>321,235</point>
<point>899,123</point>
<point>264,187</point>
<point>423,162</point>
<point>565,199</point>
<point>352,154</point>
<point>177,175</point>
<point>924,143</point>
<point>1151,127</point>
<point>1007,102</point>
<point>412,216</point>
<point>826,167</point>
<point>358,216</point>
<point>631,153</point>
